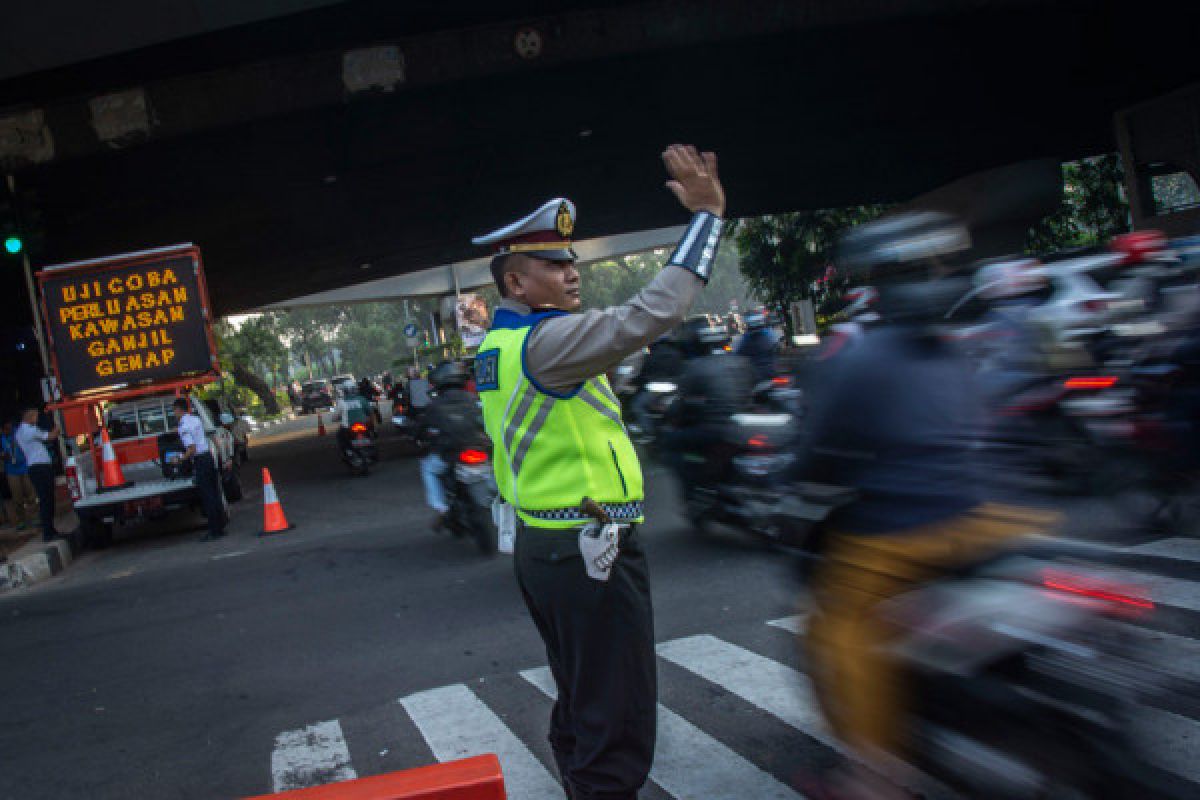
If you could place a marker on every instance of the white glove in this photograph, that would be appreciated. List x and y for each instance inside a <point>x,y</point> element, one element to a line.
<point>600,547</point>
<point>505,518</point>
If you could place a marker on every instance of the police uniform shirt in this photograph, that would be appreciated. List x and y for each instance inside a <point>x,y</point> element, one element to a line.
<point>191,433</point>
<point>562,352</point>
<point>31,438</point>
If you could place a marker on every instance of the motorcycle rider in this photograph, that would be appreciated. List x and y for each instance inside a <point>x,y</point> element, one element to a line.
<point>352,407</point>
<point>663,363</point>
<point>894,418</point>
<point>759,344</point>
<point>860,311</point>
<point>714,386</point>
<point>451,421</point>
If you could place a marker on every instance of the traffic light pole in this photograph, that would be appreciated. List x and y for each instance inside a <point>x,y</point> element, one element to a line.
<point>33,304</point>
<point>37,331</point>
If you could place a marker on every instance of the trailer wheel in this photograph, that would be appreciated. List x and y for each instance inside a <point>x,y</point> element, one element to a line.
<point>96,533</point>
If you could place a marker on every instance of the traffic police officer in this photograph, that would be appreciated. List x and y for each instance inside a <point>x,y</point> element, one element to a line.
<point>194,438</point>
<point>558,437</point>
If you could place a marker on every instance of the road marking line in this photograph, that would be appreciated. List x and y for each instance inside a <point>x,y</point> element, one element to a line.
<point>777,689</point>
<point>456,724</point>
<point>312,755</point>
<point>228,555</point>
<point>797,624</point>
<point>1177,547</point>
<point>688,763</point>
<point>1170,740</point>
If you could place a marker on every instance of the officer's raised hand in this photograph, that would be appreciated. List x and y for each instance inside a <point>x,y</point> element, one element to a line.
<point>694,179</point>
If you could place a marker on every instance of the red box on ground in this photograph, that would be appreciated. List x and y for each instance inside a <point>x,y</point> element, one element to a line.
<point>476,778</point>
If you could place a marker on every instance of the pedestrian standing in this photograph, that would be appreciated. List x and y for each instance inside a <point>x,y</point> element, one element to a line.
<point>20,500</point>
<point>195,440</point>
<point>32,442</point>
<point>559,440</point>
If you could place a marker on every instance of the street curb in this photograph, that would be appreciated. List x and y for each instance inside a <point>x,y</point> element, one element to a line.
<point>30,569</point>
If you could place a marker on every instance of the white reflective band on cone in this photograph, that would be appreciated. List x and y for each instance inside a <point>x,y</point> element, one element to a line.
<point>269,495</point>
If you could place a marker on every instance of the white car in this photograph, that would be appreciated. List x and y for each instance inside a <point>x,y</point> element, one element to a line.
<point>1077,304</point>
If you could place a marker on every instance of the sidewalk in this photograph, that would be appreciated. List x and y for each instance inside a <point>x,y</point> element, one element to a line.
<point>35,560</point>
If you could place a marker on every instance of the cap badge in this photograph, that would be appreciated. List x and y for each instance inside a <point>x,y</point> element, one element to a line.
<point>563,222</point>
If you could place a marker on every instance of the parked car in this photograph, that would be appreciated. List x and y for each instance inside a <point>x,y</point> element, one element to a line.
<point>315,396</point>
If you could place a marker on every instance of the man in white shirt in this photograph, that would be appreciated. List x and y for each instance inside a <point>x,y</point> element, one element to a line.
<point>195,440</point>
<point>32,441</point>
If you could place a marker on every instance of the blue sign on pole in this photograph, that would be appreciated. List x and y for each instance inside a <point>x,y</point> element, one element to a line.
<point>410,330</point>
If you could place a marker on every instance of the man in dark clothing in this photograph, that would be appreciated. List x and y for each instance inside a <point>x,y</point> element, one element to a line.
<point>714,386</point>
<point>451,422</point>
<point>894,418</point>
<point>758,345</point>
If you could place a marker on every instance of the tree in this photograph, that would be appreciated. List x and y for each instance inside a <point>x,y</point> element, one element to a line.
<point>370,336</point>
<point>246,350</point>
<point>614,281</point>
<point>1093,207</point>
<point>784,256</point>
<point>309,332</point>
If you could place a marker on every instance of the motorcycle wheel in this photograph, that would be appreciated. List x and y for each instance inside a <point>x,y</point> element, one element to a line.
<point>483,529</point>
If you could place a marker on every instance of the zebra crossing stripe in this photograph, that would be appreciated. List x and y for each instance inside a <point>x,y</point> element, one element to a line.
<point>456,724</point>
<point>1171,740</point>
<point>773,687</point>
<point>797,624</point>
<point>688,763</point>
<point>1179,548</point>
<point>309,756</point>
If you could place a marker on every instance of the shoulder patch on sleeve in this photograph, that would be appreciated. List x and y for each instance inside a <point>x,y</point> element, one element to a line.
<point>487,370</point>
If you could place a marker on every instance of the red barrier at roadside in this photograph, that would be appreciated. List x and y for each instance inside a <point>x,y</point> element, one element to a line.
<point>476,778</point>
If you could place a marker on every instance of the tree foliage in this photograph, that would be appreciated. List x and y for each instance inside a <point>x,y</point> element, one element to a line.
<point>251,351</point>
<point>1093,210</point>
<point>784,256</point>
<point>615,281</point>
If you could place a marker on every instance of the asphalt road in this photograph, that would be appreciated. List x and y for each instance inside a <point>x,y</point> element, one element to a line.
<point>166,667</point>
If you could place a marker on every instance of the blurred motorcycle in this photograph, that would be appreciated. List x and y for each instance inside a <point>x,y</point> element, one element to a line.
<point>1021,671</point>
<point>470,491</point>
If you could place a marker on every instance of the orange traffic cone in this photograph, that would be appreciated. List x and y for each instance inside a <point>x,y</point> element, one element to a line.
<point>111,477</point>
<point>273,519</point>
<point>320,426</point>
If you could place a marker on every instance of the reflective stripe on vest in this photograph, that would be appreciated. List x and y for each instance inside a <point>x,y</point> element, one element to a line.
<point>553,450</point>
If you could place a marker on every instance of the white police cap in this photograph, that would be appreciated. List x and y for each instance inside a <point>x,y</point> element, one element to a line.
<point>546,233</point>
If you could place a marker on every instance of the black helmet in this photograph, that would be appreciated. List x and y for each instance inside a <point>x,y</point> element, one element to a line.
<point>896,252</point>
<point>450,374</point>
<point>701,335</point>
<point>897,243</point>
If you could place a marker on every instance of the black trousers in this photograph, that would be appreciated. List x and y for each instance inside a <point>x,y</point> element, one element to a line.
<point>599,639</point>
<point>209,486</point>
<point>42,478</point>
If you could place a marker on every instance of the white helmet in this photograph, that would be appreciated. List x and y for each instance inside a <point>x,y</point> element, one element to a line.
<point>1009,278</point>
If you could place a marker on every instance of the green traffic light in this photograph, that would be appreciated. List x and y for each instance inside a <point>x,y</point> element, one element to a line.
<point>13,244</point>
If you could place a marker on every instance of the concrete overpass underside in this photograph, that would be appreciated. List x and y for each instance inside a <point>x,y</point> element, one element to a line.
<point>353,141</point>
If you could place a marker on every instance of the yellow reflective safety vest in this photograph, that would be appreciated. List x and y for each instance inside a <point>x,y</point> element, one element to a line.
<point>551,450</point>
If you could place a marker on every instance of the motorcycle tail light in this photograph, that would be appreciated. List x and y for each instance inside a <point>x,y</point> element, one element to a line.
<point>473,457</point>
<point>358,427</point>
<point>780,381</point>
<point>1122,598</point>
<point>1092,382</point>
<point>758,441</point>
